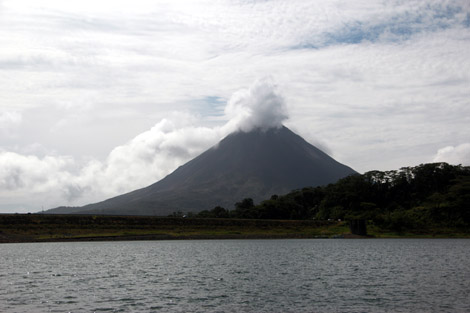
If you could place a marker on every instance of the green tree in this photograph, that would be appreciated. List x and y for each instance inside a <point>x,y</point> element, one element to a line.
<point>219,212</point>
<point>245,209</point>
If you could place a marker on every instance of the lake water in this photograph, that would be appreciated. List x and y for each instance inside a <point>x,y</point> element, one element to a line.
<point>332,275</point>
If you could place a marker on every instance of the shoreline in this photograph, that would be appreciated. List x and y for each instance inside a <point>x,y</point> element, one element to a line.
<point>30,228</point>
<point>162,237</point>
<point>20,239</point>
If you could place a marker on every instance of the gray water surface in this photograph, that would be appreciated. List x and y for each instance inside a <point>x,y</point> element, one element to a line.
<point>395,275</point>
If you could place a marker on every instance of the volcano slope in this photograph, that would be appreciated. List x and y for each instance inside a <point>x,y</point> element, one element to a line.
<point>255,164</point>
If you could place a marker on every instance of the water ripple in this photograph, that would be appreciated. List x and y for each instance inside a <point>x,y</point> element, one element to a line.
<point>237,276</point>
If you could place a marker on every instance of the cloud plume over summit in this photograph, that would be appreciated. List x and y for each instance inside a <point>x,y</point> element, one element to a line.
<point>260,106</point>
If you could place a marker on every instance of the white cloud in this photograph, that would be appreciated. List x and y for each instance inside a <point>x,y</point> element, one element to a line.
<point>454,155</point>
<point>32,174</point>
<point>260,106</point>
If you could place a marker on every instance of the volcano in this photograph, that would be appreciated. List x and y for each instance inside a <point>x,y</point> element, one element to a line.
<point>255,164</point>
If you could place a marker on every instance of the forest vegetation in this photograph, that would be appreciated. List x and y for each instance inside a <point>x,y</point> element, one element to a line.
<point>411,198</point>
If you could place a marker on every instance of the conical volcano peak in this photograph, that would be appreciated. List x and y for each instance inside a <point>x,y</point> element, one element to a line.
<point>277,147</point>
<point>255,164</point>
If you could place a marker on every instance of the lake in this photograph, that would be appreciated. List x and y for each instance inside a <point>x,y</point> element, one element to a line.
<point>311,275</point>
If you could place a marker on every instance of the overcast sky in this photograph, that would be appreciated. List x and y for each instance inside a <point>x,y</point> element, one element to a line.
<point>98,98</point>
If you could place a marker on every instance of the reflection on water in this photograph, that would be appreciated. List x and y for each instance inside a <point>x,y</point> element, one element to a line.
<point>410,275</point>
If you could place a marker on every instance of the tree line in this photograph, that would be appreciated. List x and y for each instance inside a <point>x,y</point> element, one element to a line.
<point>428,195</point>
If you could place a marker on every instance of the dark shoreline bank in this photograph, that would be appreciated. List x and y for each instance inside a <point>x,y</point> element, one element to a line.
<point>19,239</point>
<point>22,228</point>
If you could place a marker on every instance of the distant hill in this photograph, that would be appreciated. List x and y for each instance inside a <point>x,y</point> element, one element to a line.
<point>253,165</point>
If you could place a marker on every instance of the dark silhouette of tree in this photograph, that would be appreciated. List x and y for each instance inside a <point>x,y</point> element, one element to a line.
<point>411,198</point>
<point>244,209</point>
<point>220,212</point>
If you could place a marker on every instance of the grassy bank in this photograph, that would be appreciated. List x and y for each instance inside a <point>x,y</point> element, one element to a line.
<point>44,228</point>
<point>38,227</point>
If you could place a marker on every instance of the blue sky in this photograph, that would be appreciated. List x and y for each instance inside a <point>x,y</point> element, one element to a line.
<point>101,98</point>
